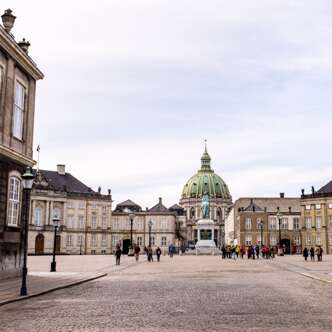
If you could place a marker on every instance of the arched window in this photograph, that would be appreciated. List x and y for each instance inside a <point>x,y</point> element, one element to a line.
<point>192,213</point>
<point>38,216</point>
<point>14,198</point>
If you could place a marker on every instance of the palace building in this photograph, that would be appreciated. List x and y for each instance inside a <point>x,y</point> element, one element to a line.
<point>18,77</point>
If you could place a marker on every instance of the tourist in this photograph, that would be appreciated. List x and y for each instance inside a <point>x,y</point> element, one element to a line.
<point>137,251</point>
<point>320,253</point>
<point>249,252</point>
<point>257,251</point>
<point>150,254</point>
<point>146,251</point>
<point>305,253</point>
<point>312,254</point>
<point>158,253</point>
<point>228,252</point>
<point>171,250</point>
<point>253,252</point>
<point>237,251</point>
<point>242,251</point>
<point>118,253</point>
<point>223,250</point>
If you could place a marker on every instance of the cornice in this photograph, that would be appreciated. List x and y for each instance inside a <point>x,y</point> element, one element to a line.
<point>11,154</point>
<point>10,46</point>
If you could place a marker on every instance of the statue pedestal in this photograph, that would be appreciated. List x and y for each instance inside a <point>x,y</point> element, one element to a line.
<point>205,233</point>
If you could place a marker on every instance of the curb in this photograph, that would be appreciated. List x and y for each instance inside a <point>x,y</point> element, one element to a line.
<point>316,278</point>
<point>49,290</point>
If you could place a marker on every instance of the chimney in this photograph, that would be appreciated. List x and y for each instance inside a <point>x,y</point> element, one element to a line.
<point>99,190</point>
<point>61,169</point>
<point>160,200</point>
<point>282,195</point>
<point>109,192</point>
<point>8,20</point>
<point>290,209</point>
<point>146,209</point>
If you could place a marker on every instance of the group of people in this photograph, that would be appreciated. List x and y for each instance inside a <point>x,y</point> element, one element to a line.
<point>252,252</point>
<point>312,252</point>
<point>149,253</point>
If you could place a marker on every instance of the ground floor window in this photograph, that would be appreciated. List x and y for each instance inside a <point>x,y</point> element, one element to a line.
<point>93,240</point>
<point>69,240</point>
<point>163,241</point>
<point>153,240</point>
<point>273,240</point>
<point>139,241</point>
<point>104,240</point>
<point>318,239</point>
<point>248,239</point>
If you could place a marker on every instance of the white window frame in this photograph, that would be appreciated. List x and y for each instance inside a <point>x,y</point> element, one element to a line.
<point>79,240</point>
<point>104,222</point>
<point>308,207</point>
<point>284,223</point>
<point>38,216</point>
<point>318,222</point>
<point>69,240</point>
<point>330,205</point>
<point>273,223</point>
<point>308,222</point>
<point>94,223</point>
<point>104,240</point>
<point>318,239</point>
<point>273,239</point>
<point>14,200</point>
<point>93,240</point>
<point>163,241</point>
<point>248,239</point>
<point>19,108</point>
<point>139,241</point>
<point>296,223</point>
<point>248,224</point>
<point>318,206</point>
<point>80,221</point>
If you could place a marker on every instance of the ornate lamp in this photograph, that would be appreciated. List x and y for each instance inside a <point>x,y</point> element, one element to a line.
<point>8,20</point>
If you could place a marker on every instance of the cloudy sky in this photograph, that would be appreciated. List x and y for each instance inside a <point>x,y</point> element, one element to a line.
<point>132,89</point>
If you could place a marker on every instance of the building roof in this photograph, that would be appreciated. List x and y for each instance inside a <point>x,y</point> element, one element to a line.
<point>65,182</point>
<point>270,203</point>
<point>206,180</point>
<point>159,207</point>
<point>327,189</point>
<point>253,207</point>
<point>175,207</point>
<point>128,204</point>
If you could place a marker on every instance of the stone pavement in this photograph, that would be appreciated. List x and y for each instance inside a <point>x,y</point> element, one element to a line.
<point>203,293</point>
<point>71,270</point>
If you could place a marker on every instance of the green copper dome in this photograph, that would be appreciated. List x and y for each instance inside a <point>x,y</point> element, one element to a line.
<point>205,180</point>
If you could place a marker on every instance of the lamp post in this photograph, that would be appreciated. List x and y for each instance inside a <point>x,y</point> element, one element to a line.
<point>150,226</point>
<point>131,249</point>
<point>261,227</point>
<point>280,251</point>
<point>56,221</point>
<point>27,181</point>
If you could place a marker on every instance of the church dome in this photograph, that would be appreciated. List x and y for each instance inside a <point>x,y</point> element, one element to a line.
<point>206,180</point>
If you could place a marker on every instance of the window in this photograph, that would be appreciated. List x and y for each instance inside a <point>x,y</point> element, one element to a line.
<point>318,222</point>
<point>18,116</point>
<point>284,223</point>
<point>139,241</point>
<point>70,221</point>
<point>247,224</point>
<point>259,239</point>
<point>318,206</point>
<point>103,252</point>
<point>70,204</point>
<point>115,241</point>
<point>56,213</point>
<point>248,239</point>
<point>153,240</point>
<point>273,239</point>
<point>318,239</point>
<point>163,241</point>
<point>104,209</point>
<point>104,240</point>
<point>38,216</point>
<point>93,221</point>
<point>81,221</point>
<point>296,223</point>
<point>330,221</point>
<point>81,205</point>
<point>330,205</point>
<point>308,207</point>
<point>307,221</point>
<point>308,239</point>
<point>13,201</point>
<point>80,240</point>
<point>259,221</point>
<point>297,240</point>
<point>104,222</point>
<point>163,224</point>
<point>69,240</point>
<point>93,240</point>
<point>273,223</point>
<point>93,205</point>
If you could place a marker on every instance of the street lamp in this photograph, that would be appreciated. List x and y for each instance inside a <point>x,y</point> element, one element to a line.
<point>56,221</point>
<point>261,225</point>
<point>27,182</point>
<point>279,215</point>
<point>150,226</point>
<point>131,249</point>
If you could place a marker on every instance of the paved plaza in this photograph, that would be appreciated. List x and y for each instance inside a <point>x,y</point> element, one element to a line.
<point>186,293</point>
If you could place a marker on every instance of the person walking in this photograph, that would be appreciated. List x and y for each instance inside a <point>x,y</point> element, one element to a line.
<point>150,254</point>
<point>237,251</point>
<point>118,253</point>
<point>137,251</point>
<point>171,250</point>
<point>320,253</point>
<point>305,253</point>
<point>158,253</point>
<point>312,254</point>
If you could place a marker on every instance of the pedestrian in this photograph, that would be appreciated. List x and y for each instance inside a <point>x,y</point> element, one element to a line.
<point>158,253</point>
<point>312,254</point>
<point>223,250</point>
<point>137,251</point>
<point>237,251</point>
<point>118,253</point>
<point>146,252</point>
<point>150,254</point>
<point>171,250</point>
<point>257,251</point>
<point>320,253</point>
<point>305,253</point>
<point>249,251</point>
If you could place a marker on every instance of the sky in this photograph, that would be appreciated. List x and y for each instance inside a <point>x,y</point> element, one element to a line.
<point>133,87</point>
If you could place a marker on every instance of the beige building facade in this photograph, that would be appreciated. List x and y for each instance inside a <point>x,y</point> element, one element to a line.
<point>316,218</point>
<point>85,216</point>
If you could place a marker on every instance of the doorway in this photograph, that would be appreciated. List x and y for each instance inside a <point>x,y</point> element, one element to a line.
<point>39,244</point>
<point>285,243</point>
<point>125,246</point>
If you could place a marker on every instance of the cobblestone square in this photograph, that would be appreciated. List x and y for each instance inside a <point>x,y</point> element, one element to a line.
<point>186,293</point>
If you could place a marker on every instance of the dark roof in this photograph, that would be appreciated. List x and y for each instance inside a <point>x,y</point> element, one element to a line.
<point>253,207</point>
<point>128,204</point>
<point>176,207</point>
<point>327,189</point>
<point>65,182</point>
<point>159,207</point>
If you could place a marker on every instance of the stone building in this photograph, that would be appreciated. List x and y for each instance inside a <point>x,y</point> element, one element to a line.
<point>163,230</point>
<point>18,76</point>
<point>85,215</point>
<point>248,215</point>
<point>205,180</point>
<point>316,218</point>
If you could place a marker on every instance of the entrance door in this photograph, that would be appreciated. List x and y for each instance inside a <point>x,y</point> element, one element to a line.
<point>57,244</point>
<point>285,243</point>
<point>125,245</point>
<point>39,244</point>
